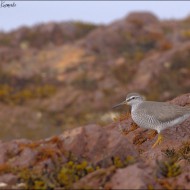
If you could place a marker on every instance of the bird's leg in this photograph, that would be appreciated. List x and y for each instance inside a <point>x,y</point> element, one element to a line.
<point>159,140</point>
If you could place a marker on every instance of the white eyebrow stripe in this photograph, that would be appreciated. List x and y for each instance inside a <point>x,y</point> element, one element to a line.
<point>132,97</point>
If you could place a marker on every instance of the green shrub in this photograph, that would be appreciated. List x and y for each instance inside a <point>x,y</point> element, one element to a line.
<point>168,168</point>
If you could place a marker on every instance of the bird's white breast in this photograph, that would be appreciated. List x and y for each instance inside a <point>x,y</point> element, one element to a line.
<point>143,120</point>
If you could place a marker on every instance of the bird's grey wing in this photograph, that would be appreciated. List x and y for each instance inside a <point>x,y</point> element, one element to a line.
<point>164,112</point>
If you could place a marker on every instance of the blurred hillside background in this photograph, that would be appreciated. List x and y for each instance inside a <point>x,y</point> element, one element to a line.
<point>60,75</point>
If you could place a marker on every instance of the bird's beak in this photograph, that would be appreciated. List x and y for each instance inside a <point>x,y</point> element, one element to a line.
<point>120,104</point>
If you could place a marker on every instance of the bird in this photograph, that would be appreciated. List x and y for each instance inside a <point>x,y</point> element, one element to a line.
<point>155,115</point>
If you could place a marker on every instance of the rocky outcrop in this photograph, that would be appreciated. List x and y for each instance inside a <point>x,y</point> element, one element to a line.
<point>43,35</point>
<point>116,156</point>
<point>64,75</point>
<point>142,18</point>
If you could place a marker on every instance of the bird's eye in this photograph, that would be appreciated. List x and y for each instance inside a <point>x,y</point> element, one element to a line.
<point>133,98</point>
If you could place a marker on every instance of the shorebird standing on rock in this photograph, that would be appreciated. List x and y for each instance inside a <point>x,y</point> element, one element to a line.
<point>155,115</point>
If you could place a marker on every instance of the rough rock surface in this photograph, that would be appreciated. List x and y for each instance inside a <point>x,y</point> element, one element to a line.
<point>101,157</point>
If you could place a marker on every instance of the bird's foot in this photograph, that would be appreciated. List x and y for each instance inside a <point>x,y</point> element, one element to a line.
<point>159,140</point>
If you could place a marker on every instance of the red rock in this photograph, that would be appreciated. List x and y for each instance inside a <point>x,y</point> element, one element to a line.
<point>25,159</point>
<point>142,19</point>
<point>9,178</point>
<point>131,177</point>
<point>97,143</point>
<point>96,179</point>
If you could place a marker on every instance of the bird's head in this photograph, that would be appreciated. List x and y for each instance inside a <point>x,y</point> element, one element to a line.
<point>131,99</point>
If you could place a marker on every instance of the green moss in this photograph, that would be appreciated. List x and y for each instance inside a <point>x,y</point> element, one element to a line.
<point>184,151</point>
<point>10,95</point>
<point>117,162</point>
<point>170,153</point>
<point>35,179</point>
<point>14,90</point>
<point>44,91</point>
<point>120,163</point>
<point>130,160</point>
<point>168,168</point>
<point>64,175</point>
<point>186,34</point>
<point>72,172</point>
<point>150,187</point>
<point>39,185</point>
<point>5,92</point>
